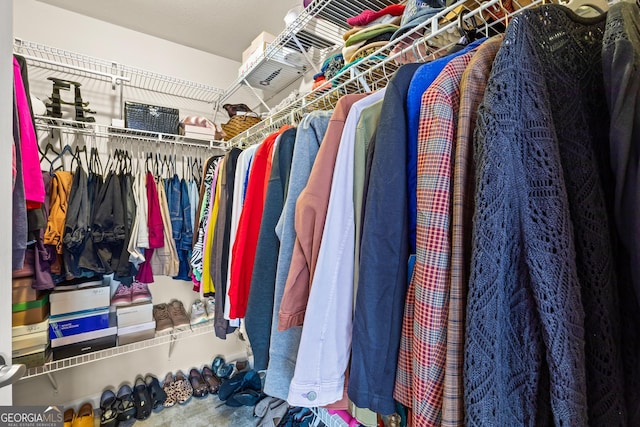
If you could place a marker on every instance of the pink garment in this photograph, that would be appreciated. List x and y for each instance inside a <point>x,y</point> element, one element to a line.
<point>156,230</point>
<point>31,174</point>
<point>367,16</point>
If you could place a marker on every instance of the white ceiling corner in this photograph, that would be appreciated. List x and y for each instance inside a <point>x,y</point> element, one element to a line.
<point>220,27</point>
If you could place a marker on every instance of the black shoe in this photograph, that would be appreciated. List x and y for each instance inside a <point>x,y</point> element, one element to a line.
<point>109,412</point>
<point>156,393</point>
<point>142,399</point>
<point>125,404</point>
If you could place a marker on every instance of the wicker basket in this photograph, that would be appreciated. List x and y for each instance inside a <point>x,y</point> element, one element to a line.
<point>238,124</point>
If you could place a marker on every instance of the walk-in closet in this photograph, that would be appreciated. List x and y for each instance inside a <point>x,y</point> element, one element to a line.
<point>320,213</point>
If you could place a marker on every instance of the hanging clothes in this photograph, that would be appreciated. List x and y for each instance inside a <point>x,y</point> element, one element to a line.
<point>19,207</point>
<point>620,61</point>
<point>244,246</point>
<point>208,286</point>
<point>33,184</point>
<point>472,86</point>
<point>541,304</point>
<point>155,230</point>
<point>260,304</point>
<point>311,211</point>
<point>283,347</point>
<point>165,258</point>
<point>330,307</point>
<point>242,171</point>
<point>221,242</point>
<point>60,189</point>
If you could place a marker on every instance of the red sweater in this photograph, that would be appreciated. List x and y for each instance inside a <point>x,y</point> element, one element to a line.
<point>246,242</point>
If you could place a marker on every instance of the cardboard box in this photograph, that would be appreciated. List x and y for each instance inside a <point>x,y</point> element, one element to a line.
<point>199,130</point>
<point>65,326</point>
<point>130,334</point>
<point>78,300</point>
<point>30,340</point>
<point>84,347</point>
<point>17,331</point>
<point>87,336</point>
<point>28,305</point>
<point>134,314</point>
<point>29,317</point>
<point>30,350</point>
<point>259,44</point>
<point>21,290</point>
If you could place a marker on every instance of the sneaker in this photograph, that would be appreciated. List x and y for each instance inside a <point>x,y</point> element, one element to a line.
<point>122,296</point>
<point>178,314</point>
<point>162,318</point>
<point>198,313</point>
<point>210,305</point>
<point>140,292</point>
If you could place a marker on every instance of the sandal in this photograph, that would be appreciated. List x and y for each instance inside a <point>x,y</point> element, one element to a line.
<point>222,370</point>
<point>213,382</point>
<point>156,393</point>
<point>109,413</point>
<point>184,391</point>
<point>125,404</point>
<point>142,399</point>
<point>200,387</point>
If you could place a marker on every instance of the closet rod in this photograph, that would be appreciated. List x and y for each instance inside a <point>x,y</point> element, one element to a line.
<point>104,131</point>
<point>379,71</point>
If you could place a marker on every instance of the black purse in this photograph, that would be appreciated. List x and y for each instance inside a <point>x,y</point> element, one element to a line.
<point>151,118</point>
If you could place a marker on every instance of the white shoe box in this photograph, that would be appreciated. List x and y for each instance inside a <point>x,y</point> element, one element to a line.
<point>135,333</point>
<point>134,314</point>
<point>65,302</point>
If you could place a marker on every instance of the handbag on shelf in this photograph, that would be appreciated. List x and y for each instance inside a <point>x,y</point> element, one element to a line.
<point>238,124</point>
<point>233,109</point>
<point>151,118</point>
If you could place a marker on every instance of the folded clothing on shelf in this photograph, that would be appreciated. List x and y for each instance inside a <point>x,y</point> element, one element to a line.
<point>368,16</point>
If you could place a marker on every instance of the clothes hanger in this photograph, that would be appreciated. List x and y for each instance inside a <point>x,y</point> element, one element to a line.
<point>66,149</point>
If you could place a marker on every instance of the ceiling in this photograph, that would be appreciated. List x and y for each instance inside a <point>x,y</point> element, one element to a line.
<point>220,27</point>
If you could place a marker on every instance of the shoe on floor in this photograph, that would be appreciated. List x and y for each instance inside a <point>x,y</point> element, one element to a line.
<point>140,293</point>
<point>122,296</point>
<point>178,315</point>
<point>125,405</point>
<point>213,382</point>
<point>84,417</point>
<point>162,318</point>
<point>108,409</point>
<point>169,388</point>
<point>142,399</point>
<point>184,391</point>
<point>210,306</point>
<point>157,394</point>
<point>198,312</point>
<point>200,387</point>
<point>68,417</point>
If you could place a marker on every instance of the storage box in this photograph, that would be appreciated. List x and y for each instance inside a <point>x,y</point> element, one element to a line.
<point>65,326</point>
<point>30,350</point>
<point>28,305</point>
<point>43,326</point>
<point>259,44</point>
<point>199,130</point>
<point>84,347</point>
<point>134,314</point>
<point>29,317</point>
<point>67,302</point>
<point>135,333</point>
<point>30,340</point>
<point>22,290</point>
<point>87,336</point>
<point>151,118</point>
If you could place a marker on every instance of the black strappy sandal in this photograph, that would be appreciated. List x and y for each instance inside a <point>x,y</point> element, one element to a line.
<point>109,413</point>
<point>125,404</point>
<point>157,394</point>
<point>142,399</point>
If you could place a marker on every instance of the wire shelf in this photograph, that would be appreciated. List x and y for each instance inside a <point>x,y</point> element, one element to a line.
<point>173,337</point>
<point>105,131</point>
<point>302,46</point>
<point>429,40</point>
<point>76,64</point>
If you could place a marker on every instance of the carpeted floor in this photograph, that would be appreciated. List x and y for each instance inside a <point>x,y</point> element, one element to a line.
<point>206,412</point>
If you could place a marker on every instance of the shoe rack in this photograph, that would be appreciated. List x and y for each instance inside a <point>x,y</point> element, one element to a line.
<point>172,338</point>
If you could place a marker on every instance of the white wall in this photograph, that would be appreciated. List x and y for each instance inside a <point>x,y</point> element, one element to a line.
<point>42,23</point>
